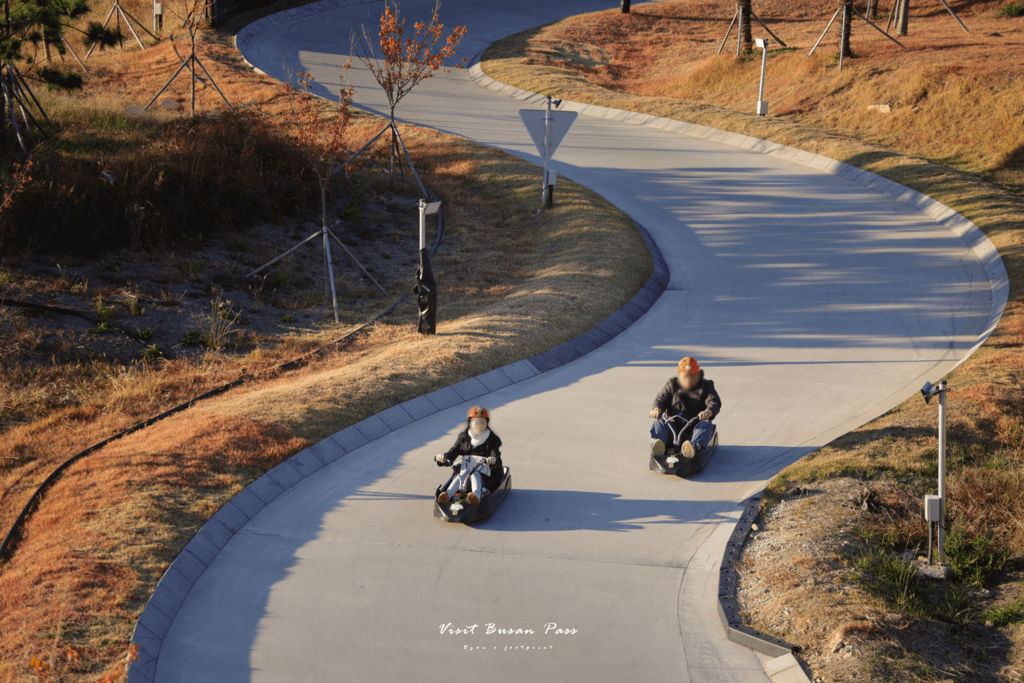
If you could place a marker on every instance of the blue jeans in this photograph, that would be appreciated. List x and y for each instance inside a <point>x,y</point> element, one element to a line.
<point>699,437</point>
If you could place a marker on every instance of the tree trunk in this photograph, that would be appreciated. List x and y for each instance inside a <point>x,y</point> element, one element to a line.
<point>847,21</point>
<point>192,70</point>
<point>746,40</point>
<point>903,18</point>
<point>394,143</point>
<point>625,6</point>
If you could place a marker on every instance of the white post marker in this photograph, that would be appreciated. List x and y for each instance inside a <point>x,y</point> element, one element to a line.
<point>927,392</point>
<point>762,106</point>
<point>547,129</point>
<point>426,210</point>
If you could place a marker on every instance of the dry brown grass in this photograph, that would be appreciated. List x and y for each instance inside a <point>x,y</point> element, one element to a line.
<point>108,529</point>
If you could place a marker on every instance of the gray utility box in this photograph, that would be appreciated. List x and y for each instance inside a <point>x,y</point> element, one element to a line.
<point>932,509</point>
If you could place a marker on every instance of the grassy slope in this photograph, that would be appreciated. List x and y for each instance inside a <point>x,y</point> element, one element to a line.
<point>955,134</point>
<point>106,531</point>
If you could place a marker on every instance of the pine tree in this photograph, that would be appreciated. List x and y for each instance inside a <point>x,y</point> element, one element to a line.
<point>27,26</point>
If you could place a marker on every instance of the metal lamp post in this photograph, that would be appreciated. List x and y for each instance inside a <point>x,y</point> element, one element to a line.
<point>762,106</point>
<point>426,286</point>
<point>935,506</point>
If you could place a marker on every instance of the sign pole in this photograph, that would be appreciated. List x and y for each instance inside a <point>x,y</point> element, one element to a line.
<point>426,285</point>
<point>547,128</point>
<point>423,224</point>
<point>546,192</point>
<point>942,471</point>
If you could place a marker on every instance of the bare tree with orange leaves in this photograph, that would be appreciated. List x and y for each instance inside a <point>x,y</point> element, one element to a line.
<point>405,60</point>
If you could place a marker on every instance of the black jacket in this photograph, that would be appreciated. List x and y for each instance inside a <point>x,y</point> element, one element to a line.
<point>492,446</point>
<point>675,400</point>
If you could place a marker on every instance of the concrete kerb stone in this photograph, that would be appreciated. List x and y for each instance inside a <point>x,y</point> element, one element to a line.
<point>189,566</point>
<point>307,461</point>
<point>517,372</point>
<point>202,549</point>
<point>495,380</point>
<point>166,602</point>
<point>728,608</point>
<point>350,438</point>
<point>420,407</point>
<point>396,417</point>
<point>445,398</point>
<point>373,428</point>
<point>155,620</point>
<point>266,489</point>
<point>216,533</point>
<point>176,583</point>
<point>285,475</point>
<point>470,389</point>
<point>785,669</point>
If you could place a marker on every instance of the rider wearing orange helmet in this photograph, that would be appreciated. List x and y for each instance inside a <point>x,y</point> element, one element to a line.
<point>687,395</point>
<point>477,442</point>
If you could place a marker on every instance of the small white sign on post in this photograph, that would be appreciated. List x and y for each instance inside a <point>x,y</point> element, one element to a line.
<point>426,210</point>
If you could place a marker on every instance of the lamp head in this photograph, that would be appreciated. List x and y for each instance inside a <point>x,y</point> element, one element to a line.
<point>556,103</point>
<point>929,390</point>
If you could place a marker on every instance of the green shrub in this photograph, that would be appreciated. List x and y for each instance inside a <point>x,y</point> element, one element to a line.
<point>974,560</point>
<point>1014,9</point>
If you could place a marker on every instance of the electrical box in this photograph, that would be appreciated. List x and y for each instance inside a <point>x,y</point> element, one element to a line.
<point>762,108</point>
<point>552,177</point>
<point>932,509</point>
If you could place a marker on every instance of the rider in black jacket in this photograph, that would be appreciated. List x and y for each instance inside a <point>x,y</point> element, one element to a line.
<point>476,440</point>
<point>687,395</point>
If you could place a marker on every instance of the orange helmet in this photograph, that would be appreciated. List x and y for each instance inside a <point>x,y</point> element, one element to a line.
<point>478,411</point>
<point>688,366</point>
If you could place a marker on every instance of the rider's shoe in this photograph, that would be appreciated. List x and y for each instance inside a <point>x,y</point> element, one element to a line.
<point>657,447</point>
<point>472,498</point>
<point>442,497</point>
<point>687,449</point>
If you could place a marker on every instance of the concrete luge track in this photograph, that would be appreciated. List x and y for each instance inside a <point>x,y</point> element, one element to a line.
<point>814,301</point>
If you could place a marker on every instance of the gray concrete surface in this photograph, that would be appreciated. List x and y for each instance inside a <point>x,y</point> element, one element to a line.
<point>816,297</point>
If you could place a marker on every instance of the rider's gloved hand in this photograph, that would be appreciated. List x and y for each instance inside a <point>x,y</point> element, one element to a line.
<point>439,458</point>
<point>655,413</point>
<point>491,460</point>
<point>706,415</point>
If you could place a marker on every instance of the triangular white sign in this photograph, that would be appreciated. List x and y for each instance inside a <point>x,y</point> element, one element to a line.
<point>561,122</point>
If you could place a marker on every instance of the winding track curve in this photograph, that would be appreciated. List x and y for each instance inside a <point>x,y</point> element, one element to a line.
<point>815,301</point>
